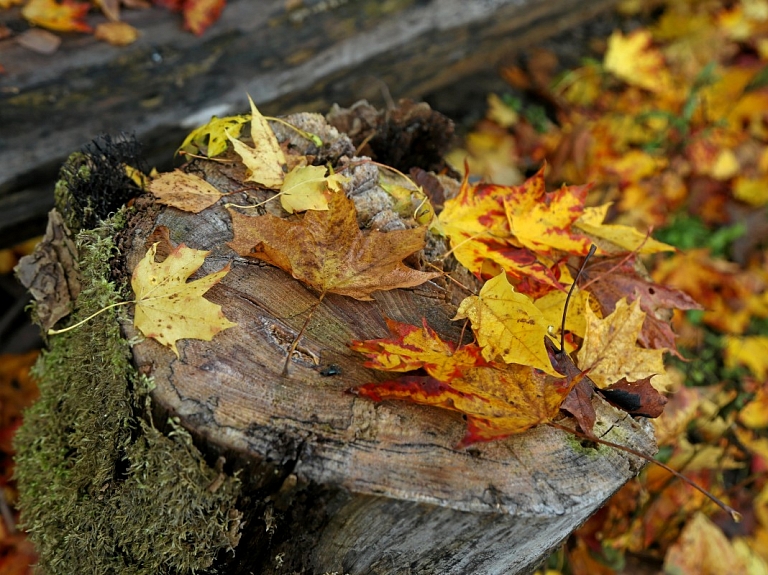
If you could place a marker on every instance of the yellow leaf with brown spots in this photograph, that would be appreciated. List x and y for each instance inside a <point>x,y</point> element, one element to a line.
<point>168,308</point>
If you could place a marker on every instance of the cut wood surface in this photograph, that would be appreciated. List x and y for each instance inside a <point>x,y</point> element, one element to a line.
<point>170,81</point>
<point>346,484</point>
<point>402,499</point>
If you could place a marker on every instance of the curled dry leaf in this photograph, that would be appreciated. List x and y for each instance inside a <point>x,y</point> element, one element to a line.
<point>168,308</point>
<point>327,251</point>
<point>184,191</point>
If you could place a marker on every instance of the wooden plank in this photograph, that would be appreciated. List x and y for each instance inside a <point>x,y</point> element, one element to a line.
<point>169,81</point>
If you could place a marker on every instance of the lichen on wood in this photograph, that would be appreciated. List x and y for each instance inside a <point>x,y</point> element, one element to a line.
<point>101,489</point>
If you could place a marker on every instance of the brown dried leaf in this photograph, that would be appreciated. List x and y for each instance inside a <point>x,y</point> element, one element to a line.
<point>327,250</point>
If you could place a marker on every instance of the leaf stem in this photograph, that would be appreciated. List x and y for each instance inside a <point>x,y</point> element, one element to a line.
<point>735,515</point>
<point>90,317</point>
<point>314,138</point>
<point>592,251</point>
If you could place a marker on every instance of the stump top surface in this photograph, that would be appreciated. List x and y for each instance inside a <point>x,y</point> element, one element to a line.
<point>231,390</point>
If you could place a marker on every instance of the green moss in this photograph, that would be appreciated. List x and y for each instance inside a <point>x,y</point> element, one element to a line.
<point>102,491</point>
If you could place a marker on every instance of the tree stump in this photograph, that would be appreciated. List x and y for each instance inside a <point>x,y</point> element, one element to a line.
<point>331,482</point>
<point>289,56</point>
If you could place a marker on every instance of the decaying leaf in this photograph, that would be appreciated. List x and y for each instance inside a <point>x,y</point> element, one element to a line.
<point>507,325</point>
<point>635,397</point>
<point>168,308</point>
<point>51,273</point>
<point>327,251</point>
<point>184,191</point>
<point>265,161</point>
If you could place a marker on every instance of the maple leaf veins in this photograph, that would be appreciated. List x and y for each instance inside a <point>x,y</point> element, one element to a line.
<point>327,251</point>
<point>167,307</point>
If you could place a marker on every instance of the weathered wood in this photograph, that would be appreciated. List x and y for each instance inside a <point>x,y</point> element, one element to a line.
<point>306,58</point>
<point>341,483</point>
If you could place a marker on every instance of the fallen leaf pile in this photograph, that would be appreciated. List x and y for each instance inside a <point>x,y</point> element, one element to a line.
<point>669,126</point>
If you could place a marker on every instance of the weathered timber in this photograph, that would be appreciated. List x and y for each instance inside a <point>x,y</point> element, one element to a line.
<point>309,57</point>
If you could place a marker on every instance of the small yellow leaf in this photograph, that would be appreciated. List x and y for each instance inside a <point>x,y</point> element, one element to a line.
<point>211,139</point>
<point>304,189</point>
<point>753,191</point>
<point>751,351</point>
<point>184,191</point>
<point>116,33</point>
<point>507,324</point>
<point>726,165</point>
<point>265,161</point>
<point>168,308</point>
<point>633,59</point>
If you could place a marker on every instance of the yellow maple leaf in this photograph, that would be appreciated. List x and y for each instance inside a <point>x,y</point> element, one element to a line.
<point>632,59</point>
<point>613,238</point>
<point>552,305</point>
<point>610,351</point>
<point>211,138</point>
<point>507,324</point>
<point>542,222</point>
<point>265,161</point>
<point>304,188</point>
<point>168,308</point>
<point>184,191</point>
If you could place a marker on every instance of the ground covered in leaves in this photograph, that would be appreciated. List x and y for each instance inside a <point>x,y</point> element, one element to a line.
<point>668,126</point>
<point>669,123</point>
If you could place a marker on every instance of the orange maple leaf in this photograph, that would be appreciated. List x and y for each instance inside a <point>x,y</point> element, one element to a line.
<point>413,348</point>
<point>66,16</point>
<point>498,400</point>
<point>477,225</point>
<point>326,250</point>
<point>200,14</point>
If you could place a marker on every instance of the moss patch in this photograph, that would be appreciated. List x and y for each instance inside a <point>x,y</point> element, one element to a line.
<point>101,490</point>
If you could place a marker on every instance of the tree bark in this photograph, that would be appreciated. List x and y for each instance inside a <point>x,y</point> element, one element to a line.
<point>337,483</point>
<point>305,58</point>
